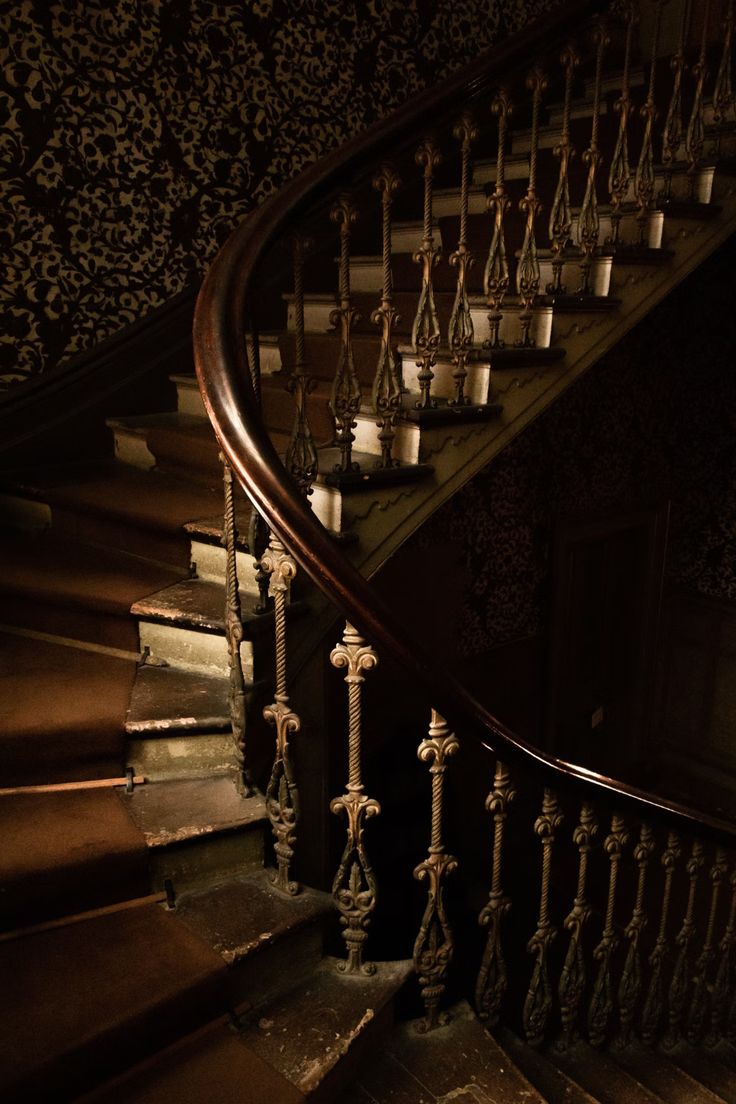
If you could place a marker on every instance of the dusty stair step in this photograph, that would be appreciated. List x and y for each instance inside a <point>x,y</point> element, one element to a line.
<point>703,1065</point>
<point>317,1033</point>
<point>67,852</point>
<point>171,442</point>
<point>655,1070</point>
<point>209,1066</point>
<point>548,1079</point>
<point>83,1002</point>
<point>196,829</point>
<point>62,711</point>
<point>119,506</point>
<point>76,590</point>
<point>166,701</point>
<point>459,1061</point>
<point>598,1073</point>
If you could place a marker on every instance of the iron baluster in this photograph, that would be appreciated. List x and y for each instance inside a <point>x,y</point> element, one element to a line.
<point>258,534</point>
<point>234,632</point>
<point>573,976</point>
<point>700,1000</point>
<point>345,397</point>
<point>527,270</point>
<point>601,1001</point>
<point>695,133</point>
<point>644,175</point>
<point>434,945</point>
<point>589,225</point>
<point>672,134</point>
<point>680,981</point>
<point>386,395</point>
<point>654,1002</point>
<point>560,216</point>
<point>460,330</point>
<point>724,973</point>
<point>496,274</point>
<point>538,1002</point>
<point>619,177</point>
<point>282,795</point>
<point>425,334</point>
<point>354,887</point>
<point>631,979</point>
<point>723,98</point>
<point>301,454</point>
<point>492,977</point>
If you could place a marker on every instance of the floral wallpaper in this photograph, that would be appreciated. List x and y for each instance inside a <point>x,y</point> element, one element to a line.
<point>654,420</point>
<point>134,134</point>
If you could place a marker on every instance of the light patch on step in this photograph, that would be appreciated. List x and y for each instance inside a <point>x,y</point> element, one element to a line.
<point>477,384</point>
<point>161,758</point>
<point>210,560</point>
<point>24,513</point>
<point>131,448</point>
<point>191,650</point>
<point>326,502</point>
<point>405,445</point>
<point>510,330</point>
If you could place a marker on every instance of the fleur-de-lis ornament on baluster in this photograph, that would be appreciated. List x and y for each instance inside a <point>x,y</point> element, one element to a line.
<point>700,996</point>
<point>460,330</point>
<point>644,175</point>
<point>538,1002</point>
<point>560,215</point>
<point>654,1002</point>
<point>589,226</point>
<point>527,270</point>
<point>680,980</point>
<point>496,274</point>
<point>573,976</point>
<point>282,795</point>
<point>425,334</point>
<point>631,977</point>
<point>301,454</point>
<point>493,977</point>
<point>354,887</point>
<point>672,132</point>
<point>234,632</point>
<point>386,394</point>
<point>723,98</point>
<point>619,176</point>
<point>724,973</point>
<point>601,1001</point>
<point>695,133</point>
<point>434,944</point>
<point>345,397</point>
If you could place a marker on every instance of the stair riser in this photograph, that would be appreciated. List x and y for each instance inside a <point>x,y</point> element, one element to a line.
<point>327,505</point>
<point>276,968</point>
<point>180,756</point>
<point>191,650</point>
<point>189,400</point>
<point>406,446</point>
<point>210,560</point>
<point>477,384</point>
<point>198,863</point>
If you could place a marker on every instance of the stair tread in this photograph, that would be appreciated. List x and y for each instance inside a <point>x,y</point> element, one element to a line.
<point>600,1075</point>
<point>209,529</point>
<point>83,1001</point>
<point>173,811</point>
<point>197,603</point>
<point>706,1067</point>
<point>551,1081</point>
<point>662,1076</point>
<point>66,852</point>
<point>246,913</point>
<point>166,700</point>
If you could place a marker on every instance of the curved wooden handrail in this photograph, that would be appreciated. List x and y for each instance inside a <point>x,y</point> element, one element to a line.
<point>224,379</point>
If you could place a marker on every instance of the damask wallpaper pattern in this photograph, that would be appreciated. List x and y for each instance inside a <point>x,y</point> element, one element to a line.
<point>134,134</point>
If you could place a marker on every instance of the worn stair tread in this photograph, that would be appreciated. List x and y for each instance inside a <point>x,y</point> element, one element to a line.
<point>547,1078</point>
<point>62,712</point>
<point>309,1031</point>
<point>209,529</point>
<point>66,852</point>
<point>704,1066</point>
<point>245,914</point>
<point>83,1002</point>
<point>167,700</point>
<point>210,1066</point>
<point>198,604</point>
<point>181,809</point>
<point>662,1076</point>
<point>600,1075</point>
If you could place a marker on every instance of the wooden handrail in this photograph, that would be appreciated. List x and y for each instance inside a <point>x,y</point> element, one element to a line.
<point>222,370</point>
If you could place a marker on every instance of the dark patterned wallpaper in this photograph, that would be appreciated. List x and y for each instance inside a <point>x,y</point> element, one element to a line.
<point>135,134</point>
<point>654,420</point>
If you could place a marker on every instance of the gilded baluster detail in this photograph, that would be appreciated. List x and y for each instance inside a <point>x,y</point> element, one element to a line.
<point>644,175</point>
<point>527,271</point>
<point>695,133</point>
<point>301,454</point>
<point>345,397</point>
<point>601,1001</point>
<point>560,216</point>
<point>672,133</point>
<point>698,1012</point>
<point>654,1002</point>
<point>434,945</point>
<point>589,226</point>
<point>723,98</point>
<point>724,973</point>
<point>460,330</point>
<point>680,980</point>
<point>492,977</point>
<point>539,997</point>
<point>386,395</point>
<point>234,632</point>
<point>619,177</point>
<point>354,887</point>
<point>496,274</point>
<point>573,976</point>
<point>629,989</point>
<point>425,334</point>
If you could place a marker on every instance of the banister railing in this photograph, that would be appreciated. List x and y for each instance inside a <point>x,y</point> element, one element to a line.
<point>568,990</point>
